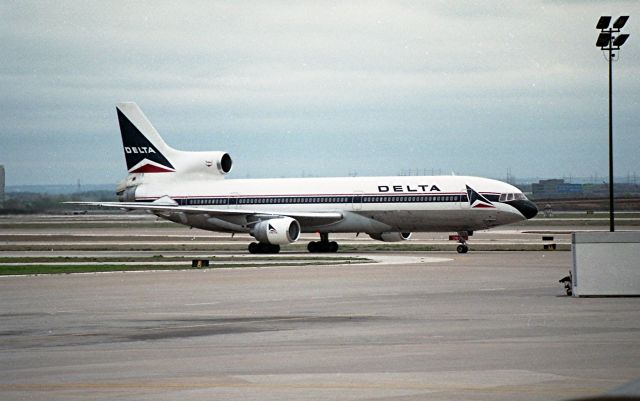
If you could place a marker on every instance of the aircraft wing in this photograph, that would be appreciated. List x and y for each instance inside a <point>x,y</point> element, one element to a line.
<point>305,218</point>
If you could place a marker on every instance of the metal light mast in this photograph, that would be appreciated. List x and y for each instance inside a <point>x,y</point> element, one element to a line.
<point>609,43</point>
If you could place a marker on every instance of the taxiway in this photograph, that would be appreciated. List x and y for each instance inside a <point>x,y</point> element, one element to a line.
<point>480,326</point>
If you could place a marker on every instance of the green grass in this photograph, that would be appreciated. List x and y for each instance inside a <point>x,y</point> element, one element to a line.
<point>93,268</point>
<point>389,247</point>
<point>569,221</point>
<point>86,225</point>
<point>157,258</point>
<point>212,247</point>
<point>66,269</point>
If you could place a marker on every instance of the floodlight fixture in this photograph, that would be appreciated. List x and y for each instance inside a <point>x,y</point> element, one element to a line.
<point>603,39</point>
<point>604,21</point>
<point>620,22</point>
<point>619,41</point>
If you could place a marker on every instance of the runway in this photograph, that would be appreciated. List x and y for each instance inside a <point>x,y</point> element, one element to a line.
<point>480,326</point>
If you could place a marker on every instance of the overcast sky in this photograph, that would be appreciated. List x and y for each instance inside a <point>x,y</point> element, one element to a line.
<point>319,88</point>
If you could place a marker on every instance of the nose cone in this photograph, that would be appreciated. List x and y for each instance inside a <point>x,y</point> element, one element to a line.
<point>526,207</point>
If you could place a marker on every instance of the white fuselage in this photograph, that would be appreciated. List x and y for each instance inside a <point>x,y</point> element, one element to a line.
<point>367,204</point>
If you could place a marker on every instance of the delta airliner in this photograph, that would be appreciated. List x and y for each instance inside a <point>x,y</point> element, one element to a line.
<point>190,188</point>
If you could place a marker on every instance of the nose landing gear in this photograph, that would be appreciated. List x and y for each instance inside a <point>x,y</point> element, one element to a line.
<point>462,238</point>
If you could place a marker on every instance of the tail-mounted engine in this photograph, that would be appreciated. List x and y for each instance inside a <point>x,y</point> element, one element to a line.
<point>203,163</point>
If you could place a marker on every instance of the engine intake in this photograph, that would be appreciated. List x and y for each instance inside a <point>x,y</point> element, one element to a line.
<point>391,236</point>
<point>277,231</point>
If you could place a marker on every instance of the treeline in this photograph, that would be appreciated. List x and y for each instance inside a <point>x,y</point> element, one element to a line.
<point>33,202</point>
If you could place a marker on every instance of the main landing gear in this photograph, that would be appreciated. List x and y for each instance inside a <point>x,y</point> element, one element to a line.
<point>323,246</point>
<point>463,236</point>
<point>261,247</point>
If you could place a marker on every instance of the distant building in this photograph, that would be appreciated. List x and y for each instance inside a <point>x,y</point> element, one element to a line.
<point>1,186</point>
<point>556,188</point>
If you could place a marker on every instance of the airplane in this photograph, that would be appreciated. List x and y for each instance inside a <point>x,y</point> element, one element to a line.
<point>190,188</point>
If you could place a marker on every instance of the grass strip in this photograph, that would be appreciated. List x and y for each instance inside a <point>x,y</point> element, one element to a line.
<point>68,269</point>
<point>344,248</point>
<point>84,225</point>
<point>161,258</point>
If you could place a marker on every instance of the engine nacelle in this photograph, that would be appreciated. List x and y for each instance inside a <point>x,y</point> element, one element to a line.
<point>391,236</point>
<point>205,163</point>
<point>126,189</point>
<point>277,231</point>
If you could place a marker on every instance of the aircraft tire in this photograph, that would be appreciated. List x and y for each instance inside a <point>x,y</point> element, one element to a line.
<point>259,247</point>
<point>462,249</point>
<point>312,247</point>
<point>272,248</point>
<point>333,247</point>
<point>322,247</point>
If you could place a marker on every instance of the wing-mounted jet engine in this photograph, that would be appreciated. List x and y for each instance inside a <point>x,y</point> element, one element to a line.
<point>274,232</point>
<point>391,236</point>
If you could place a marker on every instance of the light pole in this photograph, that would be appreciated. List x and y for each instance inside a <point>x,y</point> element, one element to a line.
<point>608,43</point>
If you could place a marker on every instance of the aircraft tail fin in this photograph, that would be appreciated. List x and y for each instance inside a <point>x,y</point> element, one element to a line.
<point>144,150</point>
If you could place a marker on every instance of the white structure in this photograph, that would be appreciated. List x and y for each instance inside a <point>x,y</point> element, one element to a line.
<point>606,264</point>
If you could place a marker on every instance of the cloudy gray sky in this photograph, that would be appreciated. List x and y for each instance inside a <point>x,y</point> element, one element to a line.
<point>318,88</point>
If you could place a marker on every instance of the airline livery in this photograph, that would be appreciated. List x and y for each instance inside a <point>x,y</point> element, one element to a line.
<point>189,188</point>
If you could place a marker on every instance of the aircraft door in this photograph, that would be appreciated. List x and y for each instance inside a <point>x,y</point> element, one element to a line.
<point>232,201</point>
<point>463,201</point>
<point>356,203</point>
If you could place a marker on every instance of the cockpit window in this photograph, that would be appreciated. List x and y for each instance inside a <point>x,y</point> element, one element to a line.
<point>512,196</point>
